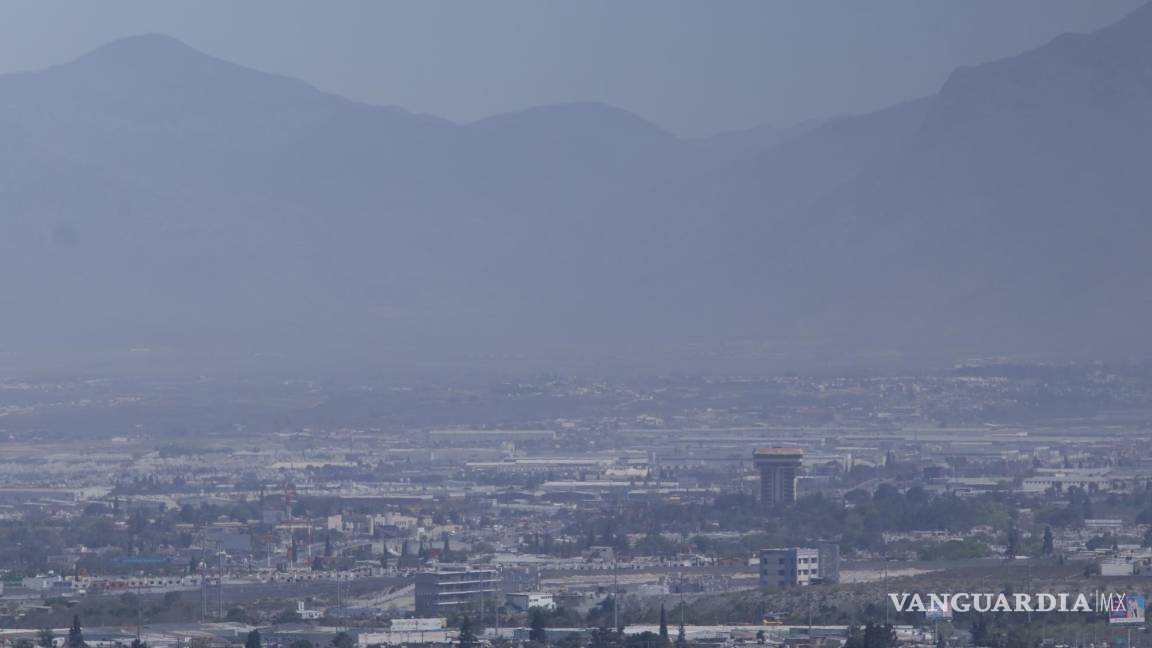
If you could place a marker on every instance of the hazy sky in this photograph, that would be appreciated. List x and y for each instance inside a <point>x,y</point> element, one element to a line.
<point>692,67</point>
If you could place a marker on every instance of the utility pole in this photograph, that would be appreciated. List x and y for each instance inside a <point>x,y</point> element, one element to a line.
<point>339,592</point>
<point>809,616</point>
<point>203,591</point>
<point>220,586</point>
<point>885,593</point>
<point>139,611</point>
<point>615,596</point>
<point>1028,580</point>
<point>339,597</point>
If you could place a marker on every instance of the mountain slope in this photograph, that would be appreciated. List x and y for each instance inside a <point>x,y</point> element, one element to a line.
<point>157,197</point>
<point>1015,219</point>
<point>212,205</point>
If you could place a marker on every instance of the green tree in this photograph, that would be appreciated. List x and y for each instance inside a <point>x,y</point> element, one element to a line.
<point>570,640</point>
<point>343,640</point>
<point>642,640</point>
<point>1012,546</point>
<point>664,641</point>
<point>1100,542</point>
<point>45,638</point>
<point>536,630</point>
<point>237,614</point>
<point>253,640</point>
<point>287,615</point>
<point>872,635</point>
<point>467,635</point>
<point>604,637</point>
<point>981,633</point>
<point>1049,545</point>
<point>76,634</point>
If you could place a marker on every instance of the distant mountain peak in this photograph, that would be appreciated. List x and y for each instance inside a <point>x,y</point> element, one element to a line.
<point>143,42</point>
<point>150,67</point>
<point>148,49</point>
<point>577,118</point>
<point>160,55</point>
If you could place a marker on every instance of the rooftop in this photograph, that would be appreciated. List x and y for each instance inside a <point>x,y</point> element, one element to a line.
<point>779,452</point>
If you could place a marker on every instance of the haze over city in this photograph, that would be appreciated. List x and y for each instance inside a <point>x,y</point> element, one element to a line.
<point>575,325</point>
<point>159,196</point>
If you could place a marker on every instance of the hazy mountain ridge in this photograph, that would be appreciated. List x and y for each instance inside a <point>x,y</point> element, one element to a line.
<point>162,197</point>
<point>1014,217</point>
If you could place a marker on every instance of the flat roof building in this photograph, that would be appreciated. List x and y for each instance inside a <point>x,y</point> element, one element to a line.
<point>778,468</point>
<point>451,589</point>
<point>788,567</point>
<point>531,600</point>
<point>791,566</point>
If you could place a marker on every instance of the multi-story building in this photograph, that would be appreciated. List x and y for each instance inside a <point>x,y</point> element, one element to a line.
<point>787,567</point>
<point>778,468</point>
<point>454,588</point>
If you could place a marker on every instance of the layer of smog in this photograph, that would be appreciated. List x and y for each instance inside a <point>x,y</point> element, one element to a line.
<point>657,324</point>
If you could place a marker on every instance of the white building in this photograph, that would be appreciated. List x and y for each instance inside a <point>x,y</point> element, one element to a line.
<point>44,582</point>
<point>1117,568</point>
<point>306,614</point>
<point>418,625</point>
<point>790,566</point>
<point>394,638</point>
<point>529,600</point>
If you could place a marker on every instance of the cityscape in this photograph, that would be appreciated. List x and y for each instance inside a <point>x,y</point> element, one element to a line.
<point>710,510</point>
<point>586,324</point>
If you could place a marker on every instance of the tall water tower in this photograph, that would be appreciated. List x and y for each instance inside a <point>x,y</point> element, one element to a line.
<point>778,468</point>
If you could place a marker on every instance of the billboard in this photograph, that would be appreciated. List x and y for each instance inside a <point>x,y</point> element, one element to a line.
<point>1128,608</point>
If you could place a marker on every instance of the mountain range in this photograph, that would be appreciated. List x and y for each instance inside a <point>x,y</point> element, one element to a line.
<point>154,197</point>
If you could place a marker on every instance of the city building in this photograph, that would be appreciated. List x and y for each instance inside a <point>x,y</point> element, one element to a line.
<point>787,567</point>
<point>418,625</point>
<point>778,468</point>
<point>453,588</point>
<point>306,614</point>
<point>529,600</point>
